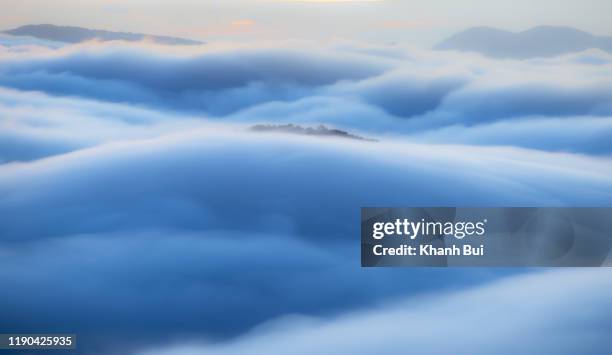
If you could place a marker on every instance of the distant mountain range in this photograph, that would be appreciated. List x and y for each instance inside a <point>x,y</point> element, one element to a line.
<point>542,41</point>
<point>70,34</point>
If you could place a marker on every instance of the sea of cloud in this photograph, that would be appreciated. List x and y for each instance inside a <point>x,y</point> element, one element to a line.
<point>136,205</point>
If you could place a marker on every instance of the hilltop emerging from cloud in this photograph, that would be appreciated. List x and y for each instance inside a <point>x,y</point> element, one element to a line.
<point>542,41</point>
<point>71,34</point>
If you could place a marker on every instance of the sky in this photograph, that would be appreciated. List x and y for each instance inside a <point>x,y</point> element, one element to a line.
<point>417,22</point>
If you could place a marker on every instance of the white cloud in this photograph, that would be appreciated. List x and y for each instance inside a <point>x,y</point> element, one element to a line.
<point>117,154</point>
<point>554,312</point>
